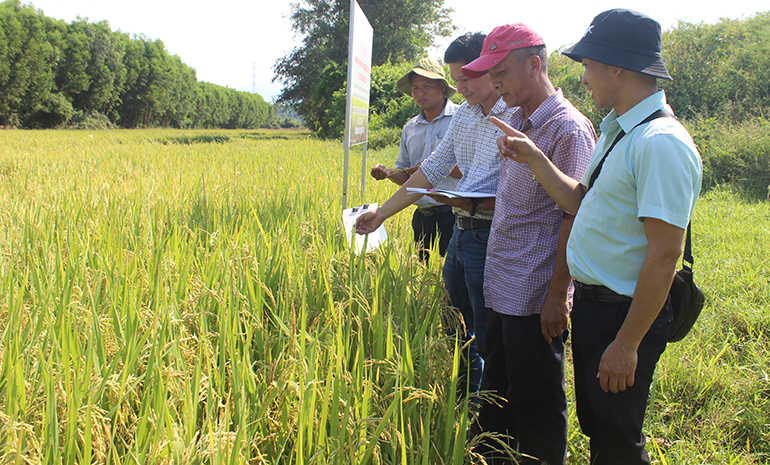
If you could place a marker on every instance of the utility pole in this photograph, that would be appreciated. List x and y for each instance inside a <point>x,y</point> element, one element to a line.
<point>254,79</point>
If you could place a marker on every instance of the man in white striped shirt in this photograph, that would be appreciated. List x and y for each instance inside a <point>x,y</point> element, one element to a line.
<point>470,143</point>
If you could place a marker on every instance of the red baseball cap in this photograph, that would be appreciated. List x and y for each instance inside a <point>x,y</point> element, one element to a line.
<point>498,44</point>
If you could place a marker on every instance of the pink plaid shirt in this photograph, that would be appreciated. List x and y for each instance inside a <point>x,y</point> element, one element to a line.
<point>521,251</point>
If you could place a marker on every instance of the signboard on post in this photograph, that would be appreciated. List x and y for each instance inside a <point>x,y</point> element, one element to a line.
<point>359,83</point>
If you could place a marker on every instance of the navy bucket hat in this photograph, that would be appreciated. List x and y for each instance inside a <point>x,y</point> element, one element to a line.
<point>623,38</point>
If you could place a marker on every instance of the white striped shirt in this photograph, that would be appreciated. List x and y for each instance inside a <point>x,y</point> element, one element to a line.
<point>471,144</point>
<point>419,139</point>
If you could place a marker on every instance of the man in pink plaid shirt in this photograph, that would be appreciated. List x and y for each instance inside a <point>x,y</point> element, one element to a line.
<point>527,283</point>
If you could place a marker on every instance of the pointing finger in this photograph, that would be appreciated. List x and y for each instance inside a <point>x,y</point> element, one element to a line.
<point>505,127</point>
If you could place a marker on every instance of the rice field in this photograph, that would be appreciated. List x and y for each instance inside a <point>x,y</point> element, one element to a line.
<point>189,297</point>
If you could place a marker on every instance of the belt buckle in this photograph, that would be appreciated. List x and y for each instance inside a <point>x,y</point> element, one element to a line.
<point>579,289</point>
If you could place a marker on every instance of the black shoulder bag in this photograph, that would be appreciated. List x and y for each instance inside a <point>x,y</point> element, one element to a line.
<point>687,298</point>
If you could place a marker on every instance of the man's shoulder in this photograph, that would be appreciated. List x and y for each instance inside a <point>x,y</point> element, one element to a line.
<point>665,123</point>
<point>413,121</point>
<point>665,132</point>
<point>564,105</point>
<point>662,122</point>
<point>464,111</point>
<point>570,119</point>
<point>451,108</point>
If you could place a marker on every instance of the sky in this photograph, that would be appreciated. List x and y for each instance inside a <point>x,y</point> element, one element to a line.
<point>236,43</point>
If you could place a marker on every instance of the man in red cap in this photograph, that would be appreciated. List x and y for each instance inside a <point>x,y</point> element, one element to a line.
<point>526,281</point>
<point>632,208</point>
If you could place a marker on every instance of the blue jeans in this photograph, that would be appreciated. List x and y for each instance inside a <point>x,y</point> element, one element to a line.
<point>464,281</point>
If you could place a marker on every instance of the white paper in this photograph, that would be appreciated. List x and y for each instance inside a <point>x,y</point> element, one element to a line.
<point>448,194</point>
<point>373,240</point>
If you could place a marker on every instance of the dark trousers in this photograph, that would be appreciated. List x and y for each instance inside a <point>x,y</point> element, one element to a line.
<point>613,422</point>
<point>428,229</point>
<point>528,373</point>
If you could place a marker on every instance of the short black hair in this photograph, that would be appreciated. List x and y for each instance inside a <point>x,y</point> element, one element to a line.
<point>465,48</point>
<point>539,50</point>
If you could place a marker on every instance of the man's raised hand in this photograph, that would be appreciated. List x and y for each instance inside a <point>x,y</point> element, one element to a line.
<point>515,144</point>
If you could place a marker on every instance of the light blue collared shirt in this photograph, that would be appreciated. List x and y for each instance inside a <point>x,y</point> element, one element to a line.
<point>653,172</point>
<point>471,144</point>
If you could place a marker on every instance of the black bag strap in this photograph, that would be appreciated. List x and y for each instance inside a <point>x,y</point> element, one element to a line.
<point>687,257</point>
<point>657,114</point>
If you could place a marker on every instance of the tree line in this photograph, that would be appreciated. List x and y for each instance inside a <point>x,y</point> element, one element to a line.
<point>719,70</point>
<point>83,74</point>
<point>54,74</point>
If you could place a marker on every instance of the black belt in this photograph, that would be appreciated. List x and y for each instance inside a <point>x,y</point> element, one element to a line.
<point>433,211</point>
<point>598,293</point>
<point>467,222</point>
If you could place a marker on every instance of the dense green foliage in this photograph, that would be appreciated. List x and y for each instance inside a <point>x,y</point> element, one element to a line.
<point>736,155</point>
<point>83,74</point>
<point>389,108</point>
<point>719,71</point>
<point>403,31</point>
<point>285,116</point>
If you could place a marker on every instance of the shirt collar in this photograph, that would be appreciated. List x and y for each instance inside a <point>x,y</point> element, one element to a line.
<point>449,110</point>
<point>637,114</point>
<point>543,112</point>
<point>499,108</point>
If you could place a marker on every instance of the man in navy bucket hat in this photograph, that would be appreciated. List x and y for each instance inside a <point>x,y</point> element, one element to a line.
<point>632,208</point>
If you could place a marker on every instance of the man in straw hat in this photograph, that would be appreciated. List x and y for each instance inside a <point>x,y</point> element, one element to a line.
<point>428,86</point>
<point>526,280</point>
<point>633,205</point>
